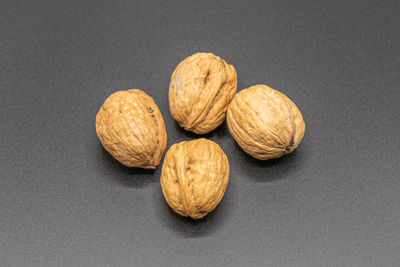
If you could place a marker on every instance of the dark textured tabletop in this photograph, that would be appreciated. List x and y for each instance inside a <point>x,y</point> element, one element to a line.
<point>335,201</point>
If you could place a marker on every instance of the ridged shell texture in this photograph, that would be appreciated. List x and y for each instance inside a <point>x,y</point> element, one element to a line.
<point>194,177</point>
<point>265,122</point>
<point>200,91</point>
<point>131,128</point>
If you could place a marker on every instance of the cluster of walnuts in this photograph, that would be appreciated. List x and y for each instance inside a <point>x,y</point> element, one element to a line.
<point>202,93</point>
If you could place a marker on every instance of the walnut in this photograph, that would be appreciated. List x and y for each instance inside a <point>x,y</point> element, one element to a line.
<point>200,91</point>
<point>194,177</point>
<point>264,122</point>
<point>131,128</point>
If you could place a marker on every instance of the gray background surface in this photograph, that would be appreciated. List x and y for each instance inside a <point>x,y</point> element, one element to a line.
<point>334,202</point>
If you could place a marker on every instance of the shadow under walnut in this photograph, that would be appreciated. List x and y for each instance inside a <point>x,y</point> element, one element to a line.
<point>269,170</point>
<point>118,174</point>
<point>186,227</point>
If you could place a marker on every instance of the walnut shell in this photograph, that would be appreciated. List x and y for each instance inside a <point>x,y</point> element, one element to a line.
<point>131,128</point>
<point>201,88</point>
<point>194,177</point>
<point>264,122</point>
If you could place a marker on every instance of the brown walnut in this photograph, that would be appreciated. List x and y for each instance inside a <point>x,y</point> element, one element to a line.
<point>131,128</point>
<point>200,91</point>
<point>265,122</point>
<point>194,177</point>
